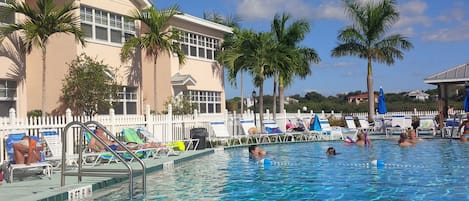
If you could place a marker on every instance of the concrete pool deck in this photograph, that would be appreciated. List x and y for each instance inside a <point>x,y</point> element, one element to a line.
<point>34,188</point>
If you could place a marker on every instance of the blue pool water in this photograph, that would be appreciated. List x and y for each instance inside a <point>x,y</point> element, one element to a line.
<point>431,170</point>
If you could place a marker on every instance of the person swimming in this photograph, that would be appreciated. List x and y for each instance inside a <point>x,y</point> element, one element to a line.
<point>256,152</point>
<point>331,151</point>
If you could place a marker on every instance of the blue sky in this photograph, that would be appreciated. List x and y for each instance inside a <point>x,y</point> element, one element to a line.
<point>439,31</point>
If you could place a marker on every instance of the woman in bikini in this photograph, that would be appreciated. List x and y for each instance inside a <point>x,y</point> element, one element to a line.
<point>465,135</point>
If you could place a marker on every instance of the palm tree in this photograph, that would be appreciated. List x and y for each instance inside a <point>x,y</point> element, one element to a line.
<point>157,39</point>
<point>231,21</point>
<point>40,22</point>
<point>255,53</point>
<point>290,37</point>
<point>367,38</point>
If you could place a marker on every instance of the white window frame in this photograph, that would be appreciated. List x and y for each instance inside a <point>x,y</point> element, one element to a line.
<point>7,88</point>
<point>200,42</point>
<point>124,99</point>
<point>125,26</point>
<point>205,97</point>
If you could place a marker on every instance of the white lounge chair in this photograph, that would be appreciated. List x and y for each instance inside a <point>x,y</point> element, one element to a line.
<point>426,124</point>
<point>54,145</point>
<point>365,125</point>
<point>351,130</point>
<point>329,132</point>
<point>398,125</point>
<point>191,144</point>
<point>220,132</point>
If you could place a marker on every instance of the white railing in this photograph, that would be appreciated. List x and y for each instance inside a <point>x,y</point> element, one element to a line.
<point>166,127</point>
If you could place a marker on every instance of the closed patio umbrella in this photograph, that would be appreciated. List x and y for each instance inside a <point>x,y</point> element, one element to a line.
<point>381,102</point>
<point>466,100</point>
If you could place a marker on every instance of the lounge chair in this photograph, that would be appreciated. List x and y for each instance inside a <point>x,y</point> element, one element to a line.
<point>365,125</point>
<point>426,124</point>
<point>44,167</point>
<point>329,132</point>
<point>91,157</point>
<point>130,136</point>
<point>273,131</point>
<point>248,125</point>
<point>220,132</point>
<point>188,143</point>
<point>398,125</point>
<point>54,145</point>
<point>351,130</point>
<point>451,127</point>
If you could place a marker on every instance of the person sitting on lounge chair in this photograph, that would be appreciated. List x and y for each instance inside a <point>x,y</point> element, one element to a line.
<point>26,151</point>
<point>98,147</point>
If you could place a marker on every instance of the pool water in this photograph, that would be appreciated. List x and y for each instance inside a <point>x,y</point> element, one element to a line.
<point>430,170</point>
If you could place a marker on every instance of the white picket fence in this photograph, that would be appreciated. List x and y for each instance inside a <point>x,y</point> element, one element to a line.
<point>166,127</point>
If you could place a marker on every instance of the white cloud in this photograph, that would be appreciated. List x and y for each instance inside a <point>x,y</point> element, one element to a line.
<point>266,9</point>
<point>460,33</point>
<point>413,13</point>
<point>340,64</point>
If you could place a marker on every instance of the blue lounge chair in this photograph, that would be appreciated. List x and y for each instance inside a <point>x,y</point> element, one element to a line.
<point>12,166</point>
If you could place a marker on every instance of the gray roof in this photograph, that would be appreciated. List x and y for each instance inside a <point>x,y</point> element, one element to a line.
<point>181,80</point>
<point>456,75</point>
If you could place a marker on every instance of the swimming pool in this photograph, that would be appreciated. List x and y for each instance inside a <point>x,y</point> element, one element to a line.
<point>431,170</point>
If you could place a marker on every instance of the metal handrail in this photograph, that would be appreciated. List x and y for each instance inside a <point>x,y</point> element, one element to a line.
<point>84,127</point>
<point>134,156</point>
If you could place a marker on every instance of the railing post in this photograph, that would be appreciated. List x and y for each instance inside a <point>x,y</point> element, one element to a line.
<point>285,118</point>
<point>70,138</point>
<point>299,112</point>
<point>169,124</point>
<point>267,112</point>
<point>112,114</point>
<point>12,116</point>
<point>149,120</point>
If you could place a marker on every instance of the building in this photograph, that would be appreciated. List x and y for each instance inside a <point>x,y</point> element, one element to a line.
<point>106,27</point>
<point>418,95</point>
<point>360,98</point>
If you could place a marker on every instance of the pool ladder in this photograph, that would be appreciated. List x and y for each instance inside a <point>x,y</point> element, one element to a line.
<point>93,172</point>
<point>458,117</point>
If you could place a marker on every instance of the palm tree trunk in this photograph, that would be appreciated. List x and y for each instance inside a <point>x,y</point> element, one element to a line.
<point>371,94</point>
<point>242,95</point>
<point>261,99</point>
<point>155,101</point>
<point>44,95</point>
<point>274,109</point>
<point>281,94</point>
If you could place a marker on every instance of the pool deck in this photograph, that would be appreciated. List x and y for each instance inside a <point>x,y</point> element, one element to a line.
<point>35,188</point>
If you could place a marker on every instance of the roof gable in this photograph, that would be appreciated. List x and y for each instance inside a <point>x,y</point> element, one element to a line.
<point>457,74</point>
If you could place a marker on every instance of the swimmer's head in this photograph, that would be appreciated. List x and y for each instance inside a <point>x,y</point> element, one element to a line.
<point>330,151</point>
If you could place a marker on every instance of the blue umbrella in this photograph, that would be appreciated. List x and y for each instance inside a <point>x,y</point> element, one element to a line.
<point>316,125</point>
<point>466,100</point>
<point>381,102</point>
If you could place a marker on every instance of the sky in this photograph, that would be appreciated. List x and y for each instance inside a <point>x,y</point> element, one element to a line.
<point>439,31</point>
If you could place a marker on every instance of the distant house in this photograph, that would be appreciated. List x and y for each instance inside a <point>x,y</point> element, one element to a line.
<point>360,98</point>
<point>290,100</point>
<point>418,95</point>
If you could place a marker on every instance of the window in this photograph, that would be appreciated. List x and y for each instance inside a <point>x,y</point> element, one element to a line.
<point>6,19</point>
<point>7,96</point>
<point>106,26</point>
<point>199,46</point>
<point>205,101</point>
<point>127,102</point>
